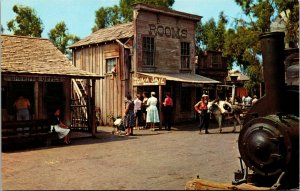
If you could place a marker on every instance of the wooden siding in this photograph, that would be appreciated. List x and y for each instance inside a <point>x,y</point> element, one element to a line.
<point>109,94</point>
<point>167,48</point>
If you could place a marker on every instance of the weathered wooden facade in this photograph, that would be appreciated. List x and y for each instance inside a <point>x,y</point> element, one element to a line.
<point>213,65</point>
<point>155,52</point>
<point>36,69</point>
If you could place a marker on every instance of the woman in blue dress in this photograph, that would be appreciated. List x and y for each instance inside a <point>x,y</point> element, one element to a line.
<point>152,112</point>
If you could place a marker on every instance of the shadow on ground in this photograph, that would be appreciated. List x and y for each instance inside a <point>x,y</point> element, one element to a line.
<point>104,134</point>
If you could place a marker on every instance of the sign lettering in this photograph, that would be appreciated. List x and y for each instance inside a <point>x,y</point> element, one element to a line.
<point>148,81</point>
<point>33,79</point>
<point>169,32</point>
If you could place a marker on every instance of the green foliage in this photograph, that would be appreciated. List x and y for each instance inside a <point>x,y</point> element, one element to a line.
<point>106,17</point>
<point>242,44</point>
<point>26,22</point>
<point>123,13</point>
<point>60,37</point>
<point>210,36</point>
<point>262,12</point>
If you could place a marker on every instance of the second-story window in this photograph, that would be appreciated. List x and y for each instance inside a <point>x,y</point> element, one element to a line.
<point>185,55</point>
<point>110,65</point>
<point>148,51</point>
<point>216,61</point>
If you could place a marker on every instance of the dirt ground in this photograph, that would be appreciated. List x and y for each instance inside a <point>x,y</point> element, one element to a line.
<point>149,160</point>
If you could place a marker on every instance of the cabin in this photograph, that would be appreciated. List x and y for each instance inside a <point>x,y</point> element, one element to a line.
<point>36,69</point>
<point>154,52</point>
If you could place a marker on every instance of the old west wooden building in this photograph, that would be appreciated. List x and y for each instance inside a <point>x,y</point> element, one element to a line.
<point>155,52</point>
<point>36,69</point>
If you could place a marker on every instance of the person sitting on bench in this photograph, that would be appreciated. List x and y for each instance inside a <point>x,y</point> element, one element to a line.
<point>61,129</point>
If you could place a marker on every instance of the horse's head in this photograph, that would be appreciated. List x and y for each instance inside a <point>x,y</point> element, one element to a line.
<point>212,107</point>
<point>227,106</point>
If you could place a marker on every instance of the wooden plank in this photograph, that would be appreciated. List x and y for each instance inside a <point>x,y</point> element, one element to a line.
<point>200,184</point>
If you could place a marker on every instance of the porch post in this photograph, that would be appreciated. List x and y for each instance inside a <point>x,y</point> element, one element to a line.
<point>94,126</point>
<point>67,94</point>
<point>89,111</point>
<point>36,100</point>
<point>160,106</point>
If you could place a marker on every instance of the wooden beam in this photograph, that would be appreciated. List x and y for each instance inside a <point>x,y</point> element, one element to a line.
<point>36,100</point>
<point>200,184</point>
<point>93,113</point>
<point>160,106</point>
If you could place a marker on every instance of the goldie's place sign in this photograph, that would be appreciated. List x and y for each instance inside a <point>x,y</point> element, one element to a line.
<point>148,81</point>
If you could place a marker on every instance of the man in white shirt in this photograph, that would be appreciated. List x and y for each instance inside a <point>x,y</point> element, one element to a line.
<point>138,110</point>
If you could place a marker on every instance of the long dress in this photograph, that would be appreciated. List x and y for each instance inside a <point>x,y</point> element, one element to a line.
<point>152,112</point>
<point>129,118</point>
<point>54,124</point>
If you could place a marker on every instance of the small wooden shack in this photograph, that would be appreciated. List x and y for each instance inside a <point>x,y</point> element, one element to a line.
<point>155,52</point>
<point>36,69</point>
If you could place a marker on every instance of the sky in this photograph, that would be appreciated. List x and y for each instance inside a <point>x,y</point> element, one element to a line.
<point>79,15</point>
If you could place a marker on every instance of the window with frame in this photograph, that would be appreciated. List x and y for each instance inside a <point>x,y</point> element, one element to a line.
<point>216,61</point>
<point>148,51</point>
<point>185,55</point>
<point>185,105</point>
<point>110,64</point>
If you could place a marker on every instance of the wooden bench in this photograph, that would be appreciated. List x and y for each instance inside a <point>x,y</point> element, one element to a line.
<point>19,132</point>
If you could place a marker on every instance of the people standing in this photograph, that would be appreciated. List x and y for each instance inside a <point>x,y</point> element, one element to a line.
<point>248,101</point>
<point>201,108</point>
<point>152,111</point>
<point>254,100</point>
<point>22,105</point>
<point>167,110</point>
<point>144,108</point>
<point>129,115</point>
<point>138,111</point>
<point>61,129</point>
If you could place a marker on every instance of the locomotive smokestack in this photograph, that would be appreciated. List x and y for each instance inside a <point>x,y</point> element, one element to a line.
<point>272,46</point>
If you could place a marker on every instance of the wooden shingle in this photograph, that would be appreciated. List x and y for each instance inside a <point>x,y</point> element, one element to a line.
<point>120,31</point>
<point>29,55</point>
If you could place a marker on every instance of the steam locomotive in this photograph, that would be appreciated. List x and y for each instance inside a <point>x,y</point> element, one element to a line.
<point>269,140</point>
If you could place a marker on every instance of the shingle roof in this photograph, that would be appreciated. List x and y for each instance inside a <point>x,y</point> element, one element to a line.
<point>120,31</point>
<point>28,55</point>
<point>166,11</point>
<point>240,76</point>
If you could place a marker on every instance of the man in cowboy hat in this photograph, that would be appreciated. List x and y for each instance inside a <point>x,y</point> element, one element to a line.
<point>201,108</point>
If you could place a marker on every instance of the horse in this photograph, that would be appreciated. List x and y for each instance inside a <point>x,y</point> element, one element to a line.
<point>223,110</point>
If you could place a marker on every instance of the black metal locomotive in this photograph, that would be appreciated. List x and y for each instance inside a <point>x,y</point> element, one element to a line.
<point>269,140</point>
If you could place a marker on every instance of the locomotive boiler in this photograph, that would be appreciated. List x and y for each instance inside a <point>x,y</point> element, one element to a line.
<point>269,140</point>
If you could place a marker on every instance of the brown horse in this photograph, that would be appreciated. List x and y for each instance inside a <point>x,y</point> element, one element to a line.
<point>223,110</point>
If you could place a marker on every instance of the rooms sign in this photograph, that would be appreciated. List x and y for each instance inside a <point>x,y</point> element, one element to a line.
<point>167,31</point>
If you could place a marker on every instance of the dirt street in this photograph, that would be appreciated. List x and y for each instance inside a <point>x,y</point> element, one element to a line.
<point>148,160</point>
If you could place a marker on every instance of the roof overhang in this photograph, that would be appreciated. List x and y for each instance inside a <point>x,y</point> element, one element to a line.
<point>14,76</point>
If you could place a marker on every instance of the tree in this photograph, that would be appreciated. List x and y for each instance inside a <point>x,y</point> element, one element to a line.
<point>1,29</point>
<point>211,36</point>
<point>262,13</point>
<point>26,22</point>
<point>60,37</point>
<point>242,44</point>
<point>106,17</point>
<point>123,13</point>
